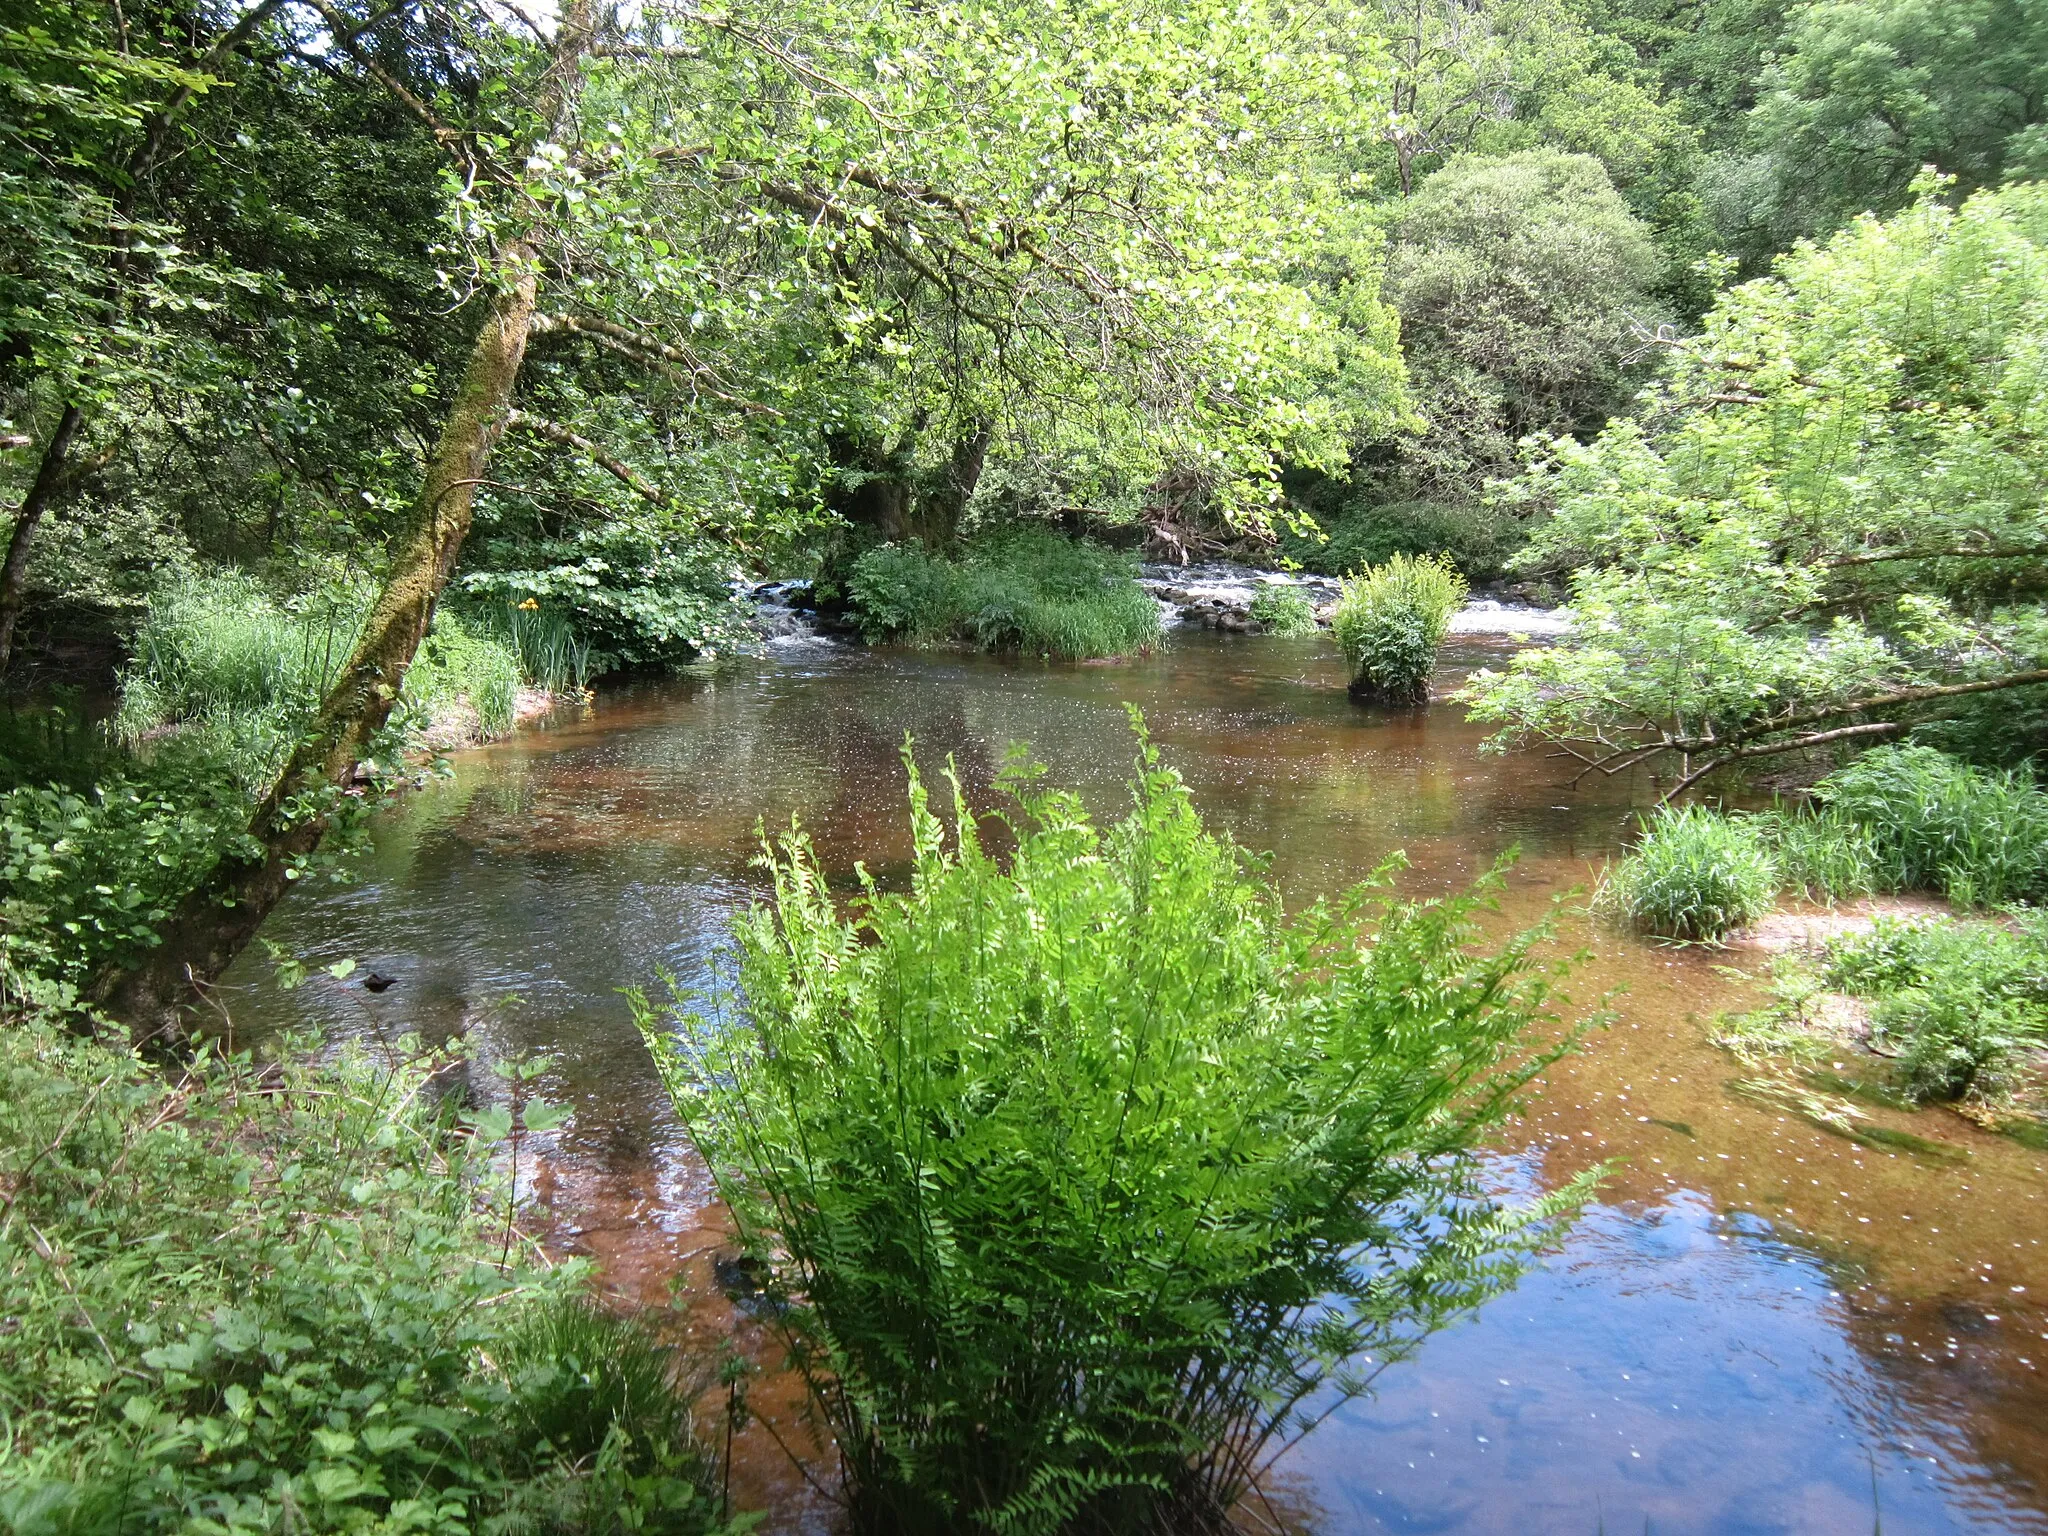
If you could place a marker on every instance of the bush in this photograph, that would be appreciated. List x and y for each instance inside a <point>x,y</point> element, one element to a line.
<point>1283,611</point>
<point>1391,620</point>
<point>1958,1001</point>
<point>1937,824</point>
<point>1696,876</point>
<point>1075,1178</point>
<point>633,594</point>
<point>1024,590</point>
<point>294,1308</point>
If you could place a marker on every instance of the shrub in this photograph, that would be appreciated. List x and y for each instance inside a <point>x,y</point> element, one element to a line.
<point>1024,590</point>
<point>293,1308</point>
<point>1938,824</point>
<point>1390,622</point>
<point>1361,528</point>
<point>1283,611</point>
<point>1959,1001</point>
<point>899,592</point>
<point>634,594</point>
<point>1695,876</point>
<point>1075,1178</point>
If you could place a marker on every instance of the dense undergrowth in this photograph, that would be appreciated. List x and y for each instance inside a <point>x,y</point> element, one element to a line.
<point>1023,590</point>
<point>223,658</point>
<point>1080,1176</point>
<point>249,1298</point>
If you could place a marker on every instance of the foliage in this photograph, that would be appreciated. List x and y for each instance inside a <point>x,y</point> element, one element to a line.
<point>629,593</point>
<point>1390,622</point>
<point>221,654</point>
<point>1862,94</point>
<point>87,869</point>
<point>1522,282</point>
<point>1283,611</point>
<point>1021,590</point>
<point>1936,824</point>
<point>294,1305</point>
<point>1352,530</point>
<point>1077,1178</point>
<point>1695,876</point>
<point>1958,1001</point>
<point>1830,511</point>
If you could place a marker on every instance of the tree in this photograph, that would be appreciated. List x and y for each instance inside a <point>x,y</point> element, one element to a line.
<point>86,271</point>
<point>1827,525</point>
<point>1863,95</point>
<point>1523,284</point>
<point>822,218</point>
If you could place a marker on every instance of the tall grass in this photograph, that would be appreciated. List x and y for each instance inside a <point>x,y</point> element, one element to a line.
<point>1696,876</point>
<point>1024,590</point>
<point>1390,622</point>
<point>1896,819</point>
<point>1936,823</point>
<point>223,657</point>
<point>552,654</point>
<point>1077,1175</point>
<point>458,666</point>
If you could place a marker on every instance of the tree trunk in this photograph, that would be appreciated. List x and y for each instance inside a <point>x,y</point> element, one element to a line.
<point>216,921</point>
<point>50,477</point>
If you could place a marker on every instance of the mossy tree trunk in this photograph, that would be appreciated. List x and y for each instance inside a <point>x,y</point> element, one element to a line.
<point>216,921</point>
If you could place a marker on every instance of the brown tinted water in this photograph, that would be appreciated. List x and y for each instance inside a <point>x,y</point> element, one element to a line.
<point>1761,1327</point>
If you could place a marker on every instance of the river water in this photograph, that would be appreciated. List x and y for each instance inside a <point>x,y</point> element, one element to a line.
<point>1761,1326</point>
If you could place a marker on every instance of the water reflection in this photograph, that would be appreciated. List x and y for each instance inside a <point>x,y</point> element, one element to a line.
<point>1820,1312</point>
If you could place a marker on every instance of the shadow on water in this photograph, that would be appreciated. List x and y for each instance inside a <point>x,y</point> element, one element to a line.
<point>1759,1325</point>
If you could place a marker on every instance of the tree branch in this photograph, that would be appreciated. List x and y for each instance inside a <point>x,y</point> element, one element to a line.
<point>555,432</point>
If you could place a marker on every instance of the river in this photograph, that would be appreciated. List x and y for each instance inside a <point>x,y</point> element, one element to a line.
<point>1761,1327</point>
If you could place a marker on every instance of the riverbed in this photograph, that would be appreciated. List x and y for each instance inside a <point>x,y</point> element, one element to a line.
<point>1760,1326</point>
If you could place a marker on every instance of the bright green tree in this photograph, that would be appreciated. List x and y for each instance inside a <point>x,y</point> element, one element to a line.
<point>1828,524</point>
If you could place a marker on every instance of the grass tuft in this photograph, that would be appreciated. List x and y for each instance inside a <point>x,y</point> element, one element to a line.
<point>1026,590</point>
<point>1390,622</point>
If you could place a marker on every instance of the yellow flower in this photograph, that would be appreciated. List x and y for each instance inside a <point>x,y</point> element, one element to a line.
<point>530,605</point>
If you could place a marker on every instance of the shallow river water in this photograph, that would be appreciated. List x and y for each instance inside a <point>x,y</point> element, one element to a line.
<point>1760,1327</point>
